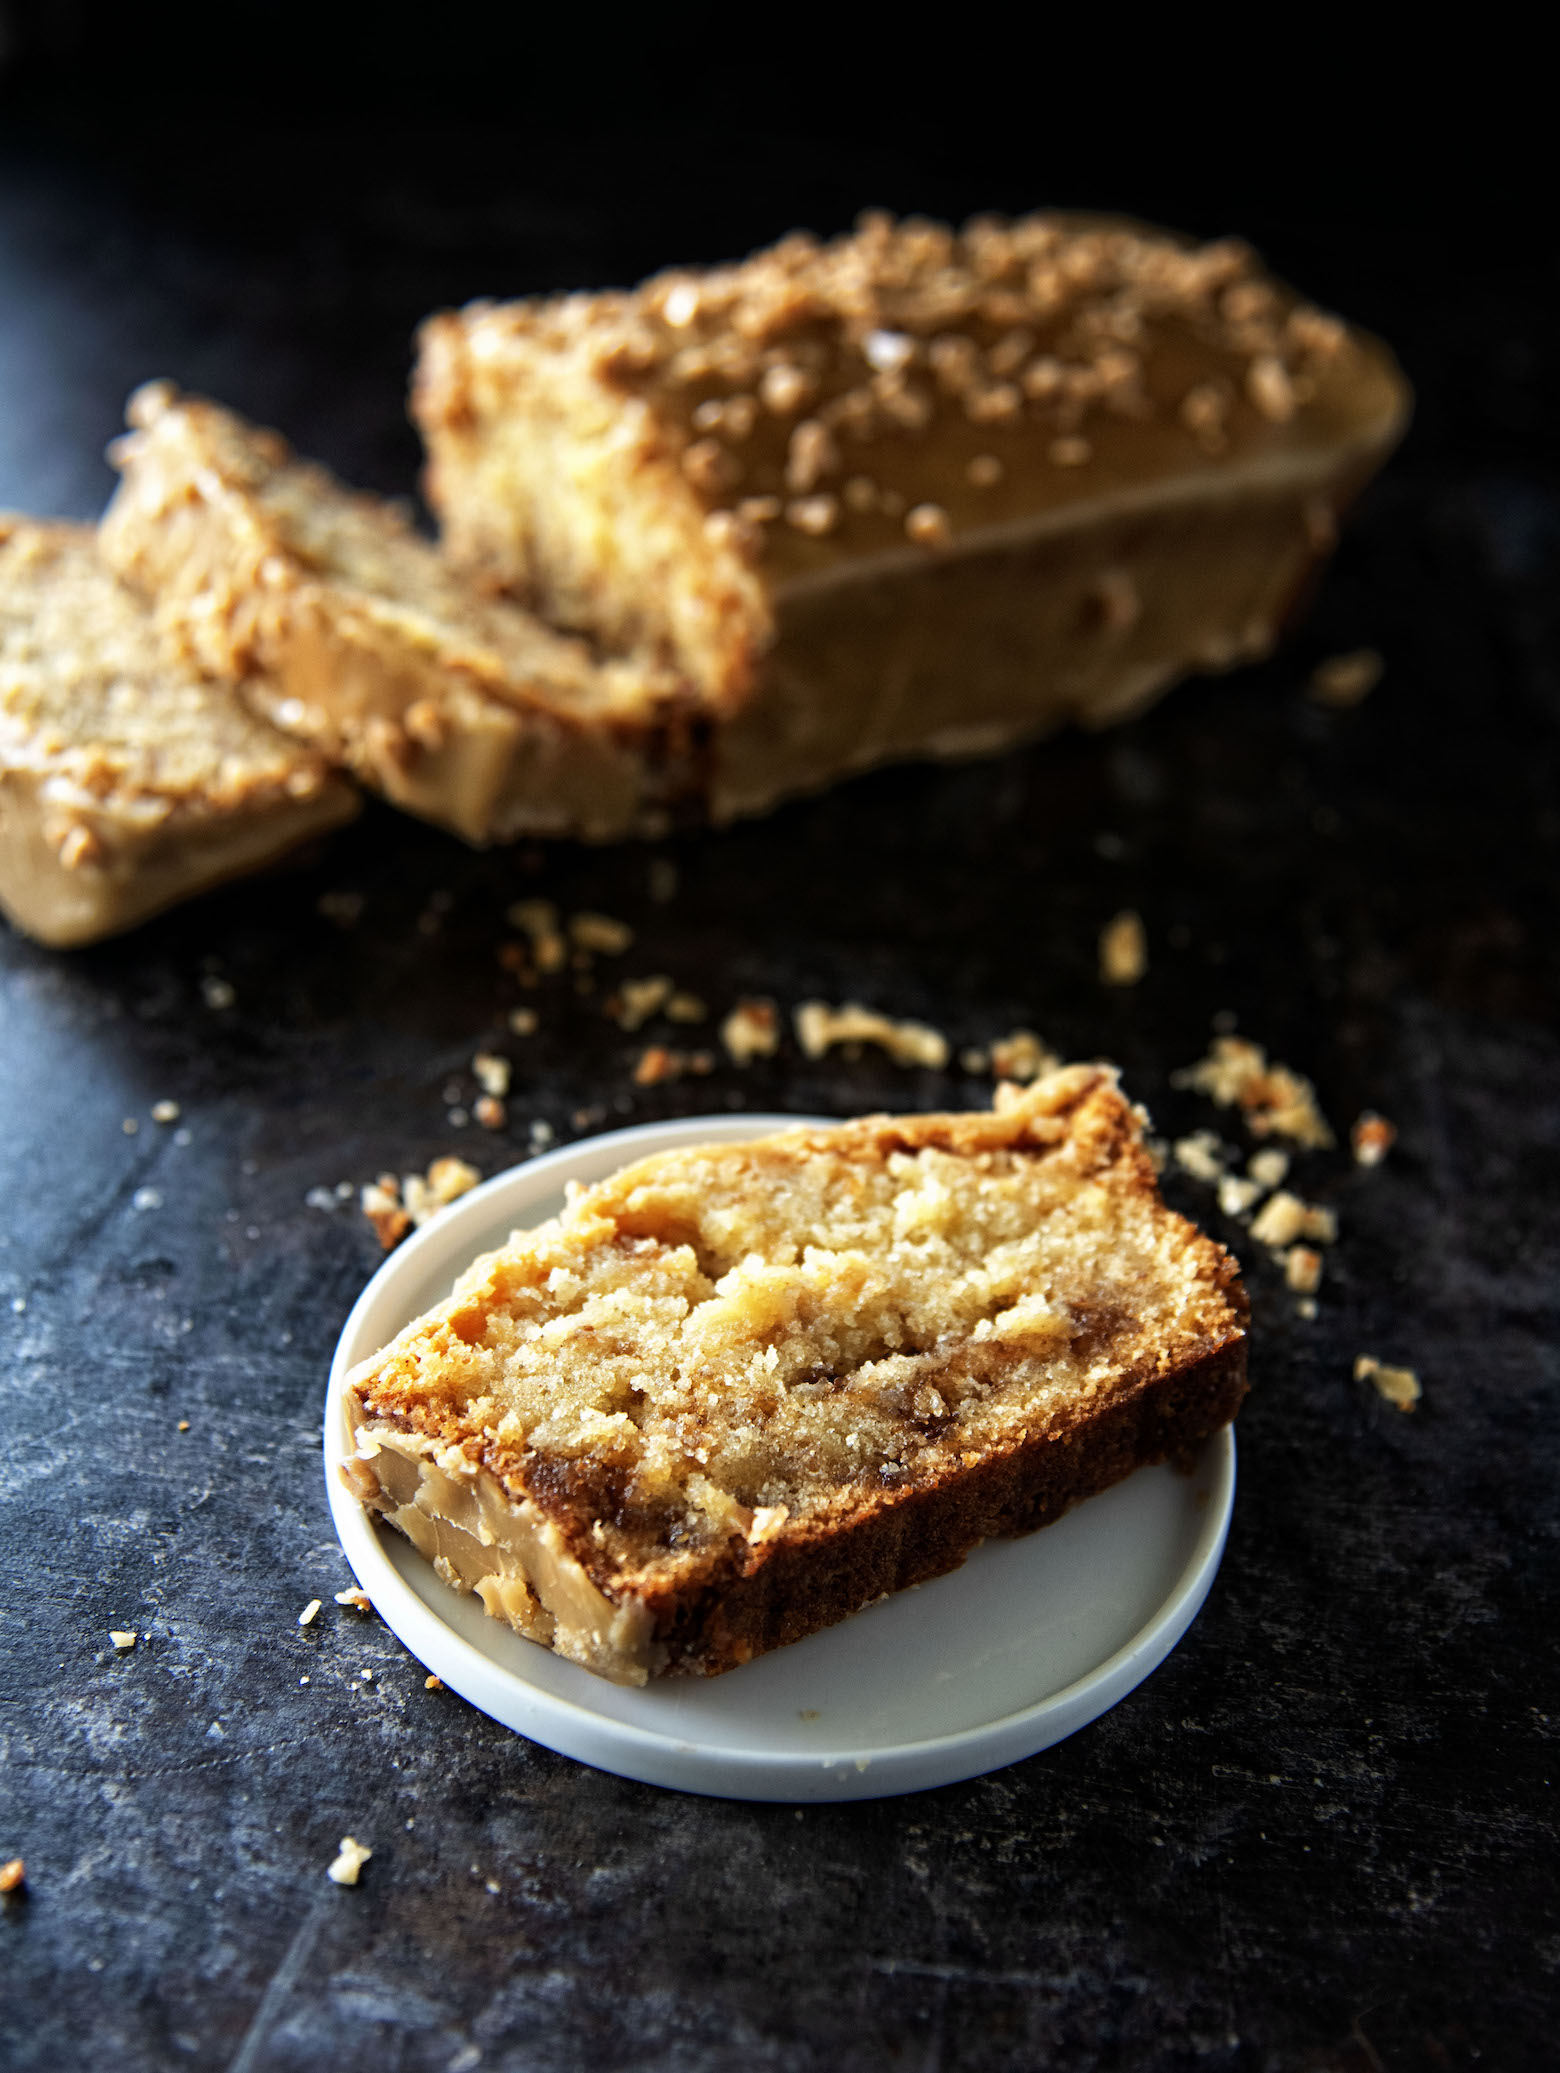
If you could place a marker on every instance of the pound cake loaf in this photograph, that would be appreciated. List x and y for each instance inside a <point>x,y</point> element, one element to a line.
<point>913,492</point>
<point>355,636</point>
<point>735,1393</point>
<point>127,781</point>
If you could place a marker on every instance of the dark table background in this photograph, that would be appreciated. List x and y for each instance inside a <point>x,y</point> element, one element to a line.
<point>1323,1835</point>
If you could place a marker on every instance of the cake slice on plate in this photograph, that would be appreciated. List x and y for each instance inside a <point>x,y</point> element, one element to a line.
<point>734,1393</point>
<point>127,780</point>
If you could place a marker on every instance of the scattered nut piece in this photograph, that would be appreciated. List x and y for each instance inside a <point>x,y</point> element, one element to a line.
<point>1277,1102</point>
<point>1400,1386</point>
<point>447,1179</point>
<point>599,933</point>
<point>490,1112</point>
<point>1123,950</point>
<point>1201,1155</point>
<point>353,1595</point>
<point>1284,1218</point>
<point>1022,1056</point>
<point>751,1030</point>
<point>523,1021</point>
<point>1372,1138</point>
<point>13,1875</point>
<point>539,920</point>
<point>165,1112</point>
<point>1346,680</point>
<point>1303,1269</point>
<point>636,1000</point>
<point>659,1063</point>
<point>184,1425</point>
<point>819,1027</point>
<point>382,1207</point>
<point>310,1613</point>
<point>1236,1195</point>
<point>1268,1167</point>
<point>123,1637</point>
<point>350,1860</point>
<point>492,1073</point>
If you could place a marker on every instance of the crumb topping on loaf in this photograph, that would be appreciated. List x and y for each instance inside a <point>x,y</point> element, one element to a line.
<point>747,1343</point>
<point>94,707</point>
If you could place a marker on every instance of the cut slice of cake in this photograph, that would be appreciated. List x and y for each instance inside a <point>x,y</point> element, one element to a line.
<point>913,492</point>
<point>735,1393</point>
<point>127,781</point>
<point>358,638</point>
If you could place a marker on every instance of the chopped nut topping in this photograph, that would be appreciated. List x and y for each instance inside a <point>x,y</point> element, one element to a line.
<point>1204,410</point>
<point>1022,1056</point>
<point>1277,1102</point>
<point>785,389</point>
<point>819,1027</point>
<point>1400,1386</point>
<point>492,1073</point>
<point>927,525</point>
<point>1123,950</point>
<point>349,1861</point>
<point>813,515</point>
<point>600,933</point>
<point>812,456</point>
<point>1372,1138</point>
<point>1270,388</point>
<point>447,1179</point>
<point>1284,1217</point>
<point>888,351</point>
<point>1303,1269</point>
<point>751,1030</point>
<point>123,1638</point>
<point>310,1613</point>
<point>382,1207</point>
<point>13,1875</point>
<point>353,1595</point>
<point>1346,680</point>
<point>709,467</point>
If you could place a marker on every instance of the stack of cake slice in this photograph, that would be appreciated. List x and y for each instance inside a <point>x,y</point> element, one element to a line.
<point>715,542</point>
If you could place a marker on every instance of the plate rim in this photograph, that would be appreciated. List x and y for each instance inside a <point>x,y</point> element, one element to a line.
<point>676,1762</point>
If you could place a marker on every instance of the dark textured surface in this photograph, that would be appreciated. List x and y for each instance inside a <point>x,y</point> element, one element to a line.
<point>1323,1835</point>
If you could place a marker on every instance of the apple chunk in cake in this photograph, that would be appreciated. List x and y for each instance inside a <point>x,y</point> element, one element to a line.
<point>734,1393</point>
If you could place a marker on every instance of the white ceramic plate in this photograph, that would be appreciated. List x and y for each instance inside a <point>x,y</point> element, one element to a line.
<point>1029,1641</point>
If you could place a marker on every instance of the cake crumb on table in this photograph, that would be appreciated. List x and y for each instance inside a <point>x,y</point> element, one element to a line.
<point>539,920</point>
<point>310,1613</point>
<point>600,933</point>
<point>354,1595</point>
<point>1237,1195</point>
<point>1372,1138</point>
<point>490,1112</point>
<point>1284,1217</point>
<point>523,1021</point>
<point>123,1638</point>
<point>13,1875</point>
<point>1400,1386</point>
<point>393,1206</point>
<point>1201,1155</point>
<point>382,1207</point>
<point>432,1684</point>
<point>349,1861</point>
<point>1277,1102</point>
<point>1123,950</point>
<point>492,1073</point>
<point>165,1112</point>
<point>636,1000</point>
<point>659,1063</point>
<point>1268,1167</point>
<point>751,1030</point>
<point>819,1028</point>
<point>1303,1269</point>
<point>1343,681</point>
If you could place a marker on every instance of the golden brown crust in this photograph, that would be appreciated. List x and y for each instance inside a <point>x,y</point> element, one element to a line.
<point>357,638</point>
<point>127,780</point>
<point>846,1354</point>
